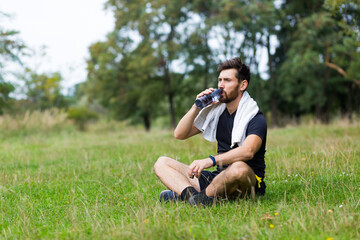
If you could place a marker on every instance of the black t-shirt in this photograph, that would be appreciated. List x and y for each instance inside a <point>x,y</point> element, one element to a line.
<point>256,126</point>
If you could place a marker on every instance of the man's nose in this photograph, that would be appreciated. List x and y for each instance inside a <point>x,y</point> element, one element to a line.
<point>220,84</point>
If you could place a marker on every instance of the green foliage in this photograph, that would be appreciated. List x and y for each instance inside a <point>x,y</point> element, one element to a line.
<point>81,115</point>
<point>162,53</point>
<point>100,185</point>
<point>5,89</point>
<point>115,80</point>
<point>11,48</point>
<point>319,63</point>
<point>43,91</point>
<point>135,76</point>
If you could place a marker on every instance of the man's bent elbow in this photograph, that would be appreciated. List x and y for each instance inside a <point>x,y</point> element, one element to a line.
<point>179,136</point>
<point>249,154</point>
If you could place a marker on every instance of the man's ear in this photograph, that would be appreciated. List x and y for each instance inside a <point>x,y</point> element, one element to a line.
<point>243,85</point>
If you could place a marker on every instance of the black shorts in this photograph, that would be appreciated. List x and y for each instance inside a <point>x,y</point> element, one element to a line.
<point>207,177</point>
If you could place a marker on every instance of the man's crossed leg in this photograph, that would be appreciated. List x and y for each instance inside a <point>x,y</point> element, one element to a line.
<point>237,180</point>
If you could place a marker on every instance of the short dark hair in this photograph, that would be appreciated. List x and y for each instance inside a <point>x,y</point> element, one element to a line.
<point>243,71</point>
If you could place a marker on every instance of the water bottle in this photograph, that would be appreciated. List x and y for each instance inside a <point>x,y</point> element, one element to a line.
<point>206,100</point>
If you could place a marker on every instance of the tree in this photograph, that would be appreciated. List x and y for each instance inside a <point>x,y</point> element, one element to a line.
<point>344,56</point>
<point>43,91</point>
<point>11,49</point>
<point>144,76</point>
<point>257,22</point>
<point>123,79</point>
<point>162,52</point>
<point>317,39</point>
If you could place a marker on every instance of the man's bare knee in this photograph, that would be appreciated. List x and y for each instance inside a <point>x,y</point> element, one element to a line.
<point>239,172</point>
<point>164,162</point>
<point>160,163</point>
<point>241,179</point>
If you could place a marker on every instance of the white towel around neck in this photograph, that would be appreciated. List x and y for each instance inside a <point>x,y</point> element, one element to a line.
<point>208,118</point>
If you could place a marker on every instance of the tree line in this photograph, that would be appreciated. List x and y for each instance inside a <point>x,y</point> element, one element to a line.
<point>304,57</point>
<point>161,53</point>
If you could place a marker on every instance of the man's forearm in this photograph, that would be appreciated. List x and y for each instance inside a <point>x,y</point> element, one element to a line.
<point>185,125</point>
<point>244,152</point>
<point>238,154</point>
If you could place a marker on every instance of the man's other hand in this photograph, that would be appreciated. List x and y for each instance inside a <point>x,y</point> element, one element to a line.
<point>198,165</point>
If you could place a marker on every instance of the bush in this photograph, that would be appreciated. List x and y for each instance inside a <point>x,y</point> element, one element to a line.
<point>81,116</point>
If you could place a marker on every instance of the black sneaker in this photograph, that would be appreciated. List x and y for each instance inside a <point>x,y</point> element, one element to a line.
<point>201,200</point>
<point>168,195</point>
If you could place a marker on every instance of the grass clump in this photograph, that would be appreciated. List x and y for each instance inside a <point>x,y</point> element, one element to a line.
<point>53,120</point>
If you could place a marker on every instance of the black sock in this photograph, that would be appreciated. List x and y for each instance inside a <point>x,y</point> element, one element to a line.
<point>203,193</point>
<point>188,192</point>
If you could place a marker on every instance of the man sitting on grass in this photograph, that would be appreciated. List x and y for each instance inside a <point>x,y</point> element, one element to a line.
<point>240,130</point>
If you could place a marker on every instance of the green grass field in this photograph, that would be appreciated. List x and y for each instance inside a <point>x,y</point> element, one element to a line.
<point>101,185</point>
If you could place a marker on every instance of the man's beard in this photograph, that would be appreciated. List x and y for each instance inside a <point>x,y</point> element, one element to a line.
<point>231,96</point>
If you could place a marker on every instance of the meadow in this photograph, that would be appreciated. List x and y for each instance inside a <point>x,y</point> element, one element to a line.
<point>60,183</point>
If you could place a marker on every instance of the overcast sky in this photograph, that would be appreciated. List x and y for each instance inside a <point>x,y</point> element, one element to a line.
<point>66,27</point>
